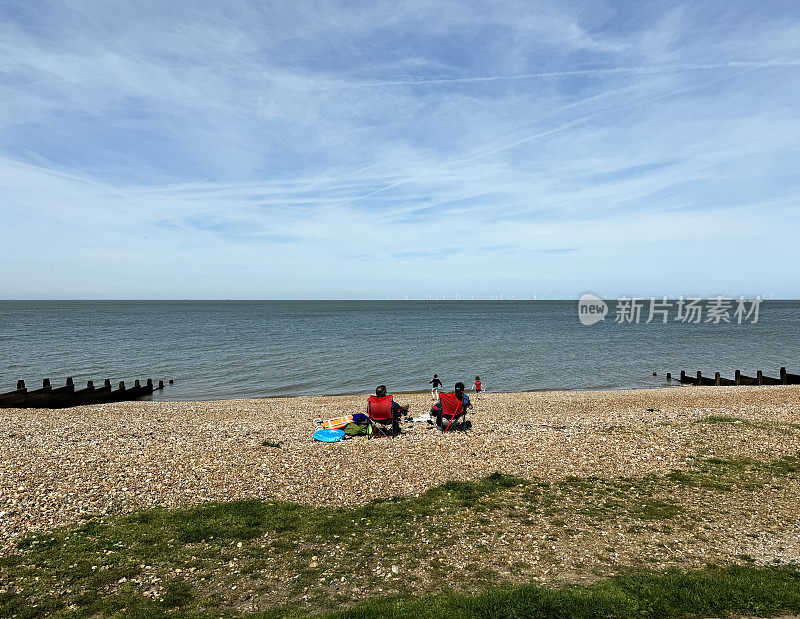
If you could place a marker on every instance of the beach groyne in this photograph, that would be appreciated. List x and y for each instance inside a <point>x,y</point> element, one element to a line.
<point>67,396</point>
<point>785,378</point>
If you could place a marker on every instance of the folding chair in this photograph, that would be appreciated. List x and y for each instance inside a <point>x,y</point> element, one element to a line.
<point>452,409</point>
<point>379,411</point>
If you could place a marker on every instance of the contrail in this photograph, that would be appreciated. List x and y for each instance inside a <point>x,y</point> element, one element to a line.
<point>733,64</point>
<point>530,138</point>
<point>494,151</point>
<point>53,81</point>
<point>507,146</point>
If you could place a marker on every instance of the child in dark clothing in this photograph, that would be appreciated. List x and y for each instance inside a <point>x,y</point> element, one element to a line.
<point>435,384</point>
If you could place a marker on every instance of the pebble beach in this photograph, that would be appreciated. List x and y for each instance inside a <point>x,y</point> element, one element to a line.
<point>61,465</point>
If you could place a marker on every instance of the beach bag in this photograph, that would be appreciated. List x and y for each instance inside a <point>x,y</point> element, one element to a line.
<point>357,429</point>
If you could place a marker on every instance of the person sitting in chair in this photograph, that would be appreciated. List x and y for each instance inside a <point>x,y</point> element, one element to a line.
<point>383,410</point>
<point>451,409</point>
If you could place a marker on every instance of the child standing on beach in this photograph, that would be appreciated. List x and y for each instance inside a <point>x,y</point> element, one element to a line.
<point>477,385</point>
<point>435,384</point>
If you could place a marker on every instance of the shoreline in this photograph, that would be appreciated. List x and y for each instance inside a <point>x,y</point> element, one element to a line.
<point>469,392</point>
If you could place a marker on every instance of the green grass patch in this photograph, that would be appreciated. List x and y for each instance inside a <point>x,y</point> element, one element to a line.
<point>725,419</point>
<point>705,593</point>
<point>781,427</point>
<point>95,567</point>
<point>210,559</point>
<point>728,474</point>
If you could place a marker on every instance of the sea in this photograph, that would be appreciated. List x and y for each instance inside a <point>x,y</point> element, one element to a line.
<point>238,349</point>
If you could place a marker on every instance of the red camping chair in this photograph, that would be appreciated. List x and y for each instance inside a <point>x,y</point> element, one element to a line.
<point>452,409</point>
<point>379,411</point>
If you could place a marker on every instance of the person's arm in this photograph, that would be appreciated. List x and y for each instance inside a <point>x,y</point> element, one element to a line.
<point>397,407</point>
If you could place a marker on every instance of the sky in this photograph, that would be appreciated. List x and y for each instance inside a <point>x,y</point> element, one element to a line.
<point>348,150</point>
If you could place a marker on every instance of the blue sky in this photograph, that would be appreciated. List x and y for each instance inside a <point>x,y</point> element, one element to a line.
<point>359,150</point>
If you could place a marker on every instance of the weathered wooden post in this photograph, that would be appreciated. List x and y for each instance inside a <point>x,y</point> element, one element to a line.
<point>669,377</point>
<point>683,376</point>
<point>699,378</point>
<point>738,378</point>
<point>62,397</point>
<point>717,379</point>
<point>783,377</point>
<point>759,378</point>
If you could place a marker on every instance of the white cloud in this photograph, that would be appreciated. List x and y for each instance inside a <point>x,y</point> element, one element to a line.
<point>315,149</point>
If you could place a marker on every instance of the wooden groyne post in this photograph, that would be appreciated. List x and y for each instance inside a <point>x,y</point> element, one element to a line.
<point>789,379</point>
<point>701,380</point>
<point>767,380</point>
<point>740,379</point>
<point>721,381</point>
<point>66,396</point>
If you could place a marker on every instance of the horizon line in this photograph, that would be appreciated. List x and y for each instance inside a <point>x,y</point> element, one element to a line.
<point>457,300</point>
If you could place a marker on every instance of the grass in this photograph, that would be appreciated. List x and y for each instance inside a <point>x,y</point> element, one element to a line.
<point>709,592</point>
<point>102,565</point>
<point>215,557</point>
<point>780,427</point>
<point>727,474</point>
<point>716,419</point>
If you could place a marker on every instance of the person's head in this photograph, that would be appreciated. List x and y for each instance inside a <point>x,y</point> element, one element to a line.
<point>436,376</point>
<point>459,390</point>
<point>380,391</point>
<point>477,378</point>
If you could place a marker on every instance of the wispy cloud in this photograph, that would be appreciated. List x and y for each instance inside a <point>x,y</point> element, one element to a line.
<point>195,150</point>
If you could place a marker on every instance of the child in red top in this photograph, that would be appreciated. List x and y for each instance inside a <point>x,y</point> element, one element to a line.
<point>477,385</point>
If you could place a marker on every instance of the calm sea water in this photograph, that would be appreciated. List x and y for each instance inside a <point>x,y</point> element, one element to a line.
<point>241,349</point>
